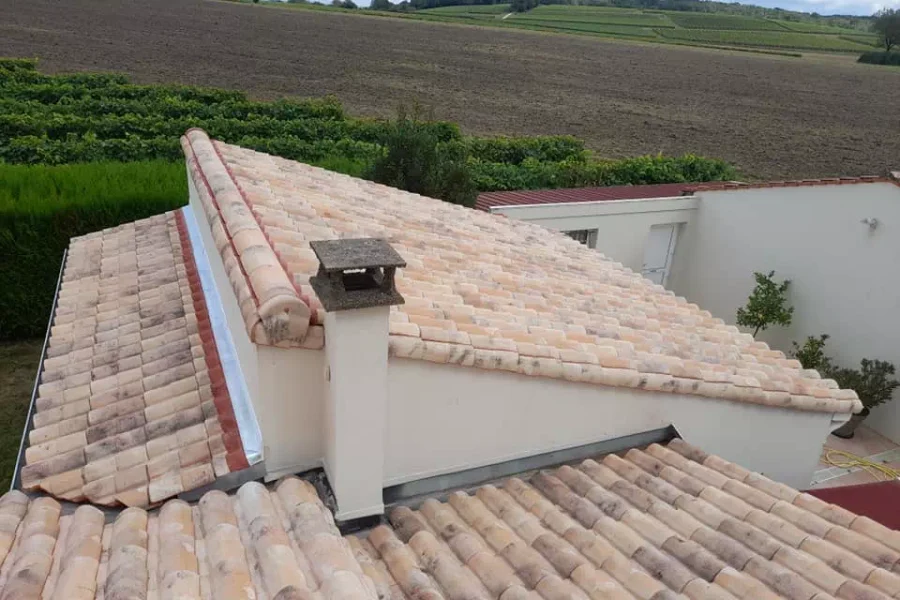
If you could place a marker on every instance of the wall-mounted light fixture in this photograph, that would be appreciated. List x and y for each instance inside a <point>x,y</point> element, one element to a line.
<point>872,222</point>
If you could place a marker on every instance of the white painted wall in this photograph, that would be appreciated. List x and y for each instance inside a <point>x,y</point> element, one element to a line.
<point>445,418</point>
<point>622,225</point>
<point>845,277</point>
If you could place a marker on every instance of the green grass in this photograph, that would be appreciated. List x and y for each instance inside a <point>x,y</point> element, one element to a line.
<point>18,366</point>
<point>590,28</point>
<point>867,39</point>
<point>486,9</point>
<point>811,27</point>
<point>42,206</point>
<point>715,21</point>
<point>766,39</point>
<point>636,19</point>
<point>683,28</point>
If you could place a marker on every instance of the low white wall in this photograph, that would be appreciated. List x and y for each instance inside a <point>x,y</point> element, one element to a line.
<point>290,408</point>
<point>622,225</point>
<point>445,418</point>
<point>844,276</point>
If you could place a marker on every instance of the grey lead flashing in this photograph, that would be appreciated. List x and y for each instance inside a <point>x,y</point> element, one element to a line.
<point>17,478</point>
<point>411,493</point>
<point>251,436</point>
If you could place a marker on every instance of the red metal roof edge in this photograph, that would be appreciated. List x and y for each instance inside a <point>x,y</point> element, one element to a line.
<point>487,200</point>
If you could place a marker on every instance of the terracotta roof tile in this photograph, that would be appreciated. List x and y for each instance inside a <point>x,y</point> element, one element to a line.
<point>481,291</point>
<point>595,530</point>
<point>127,411</point>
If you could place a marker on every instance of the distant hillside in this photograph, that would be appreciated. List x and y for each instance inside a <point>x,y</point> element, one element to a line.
<point>703,6</point>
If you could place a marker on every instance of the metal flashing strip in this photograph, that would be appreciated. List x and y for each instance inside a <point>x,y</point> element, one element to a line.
<point>440,485</point>
<point>17,478</point>
<point>251,436</point>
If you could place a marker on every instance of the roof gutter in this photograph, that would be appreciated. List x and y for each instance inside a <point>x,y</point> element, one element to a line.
<point>17,478</point>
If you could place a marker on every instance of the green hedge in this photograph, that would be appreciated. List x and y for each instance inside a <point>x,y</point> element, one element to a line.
<point>41,207</point>
<point>63,119</point>
<point>58,134</point>
<point>533,174</point>
<point>880,58</point>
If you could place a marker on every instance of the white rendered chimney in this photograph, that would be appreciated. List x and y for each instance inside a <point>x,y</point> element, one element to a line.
<point>355,283</point>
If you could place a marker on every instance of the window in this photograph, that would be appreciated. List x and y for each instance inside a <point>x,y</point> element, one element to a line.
<point>588,237</point>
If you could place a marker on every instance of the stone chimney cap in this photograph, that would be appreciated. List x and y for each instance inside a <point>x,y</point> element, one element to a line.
<point>356,273</point>
<point>356,253</point>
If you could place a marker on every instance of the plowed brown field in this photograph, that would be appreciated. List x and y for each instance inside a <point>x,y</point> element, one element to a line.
<point>774,117</point>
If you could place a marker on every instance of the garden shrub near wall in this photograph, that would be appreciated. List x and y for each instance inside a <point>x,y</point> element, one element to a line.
<point>880,58</point>
<point>41,207</point>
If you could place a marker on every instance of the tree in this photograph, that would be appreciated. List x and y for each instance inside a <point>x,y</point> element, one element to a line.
<point>522,5</point>
<point>887,26</point>
<point>767,305</point>
<point>417,159</point>
<point>381,5</point>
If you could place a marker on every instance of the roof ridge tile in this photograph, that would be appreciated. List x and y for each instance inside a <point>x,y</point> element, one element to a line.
<point>274,310</point>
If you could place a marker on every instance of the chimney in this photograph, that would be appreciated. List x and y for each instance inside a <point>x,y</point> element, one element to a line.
<point>355,284</point>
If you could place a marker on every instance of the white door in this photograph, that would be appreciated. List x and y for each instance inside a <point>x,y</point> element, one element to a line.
<point>659,251</point>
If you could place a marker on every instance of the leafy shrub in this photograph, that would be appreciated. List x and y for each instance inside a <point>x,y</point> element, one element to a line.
<point>872,382</point>
<point>42,207</point>
<point>880,58</point>
<point>514,150</point>
<point>812,354</point>
<point>578,172</point>
<point>415,159</point>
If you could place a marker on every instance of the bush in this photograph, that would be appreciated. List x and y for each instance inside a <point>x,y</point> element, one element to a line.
<point>415,159</point>
<point>41,207</point>
<point>872,382</point>
<point>880,58</point>
<point>812,354</point>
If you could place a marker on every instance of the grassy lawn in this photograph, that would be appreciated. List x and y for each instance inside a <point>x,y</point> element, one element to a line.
<point>18,365</point>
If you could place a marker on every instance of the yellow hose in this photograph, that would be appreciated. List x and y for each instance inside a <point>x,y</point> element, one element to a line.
<point>846,460</point>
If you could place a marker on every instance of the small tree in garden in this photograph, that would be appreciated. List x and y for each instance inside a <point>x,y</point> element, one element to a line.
<point>872,382</point>
<point>767,304</point>
<point>812,354</point>
<point>887,26</point>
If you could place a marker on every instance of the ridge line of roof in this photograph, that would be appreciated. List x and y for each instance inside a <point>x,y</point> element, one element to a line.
<point>574,366</point>
<point>274,310</point>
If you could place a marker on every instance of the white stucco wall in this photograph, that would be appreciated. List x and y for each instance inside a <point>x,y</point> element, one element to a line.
<point>446,418</point>
<point>844,277</point>
<point>622,225</point>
